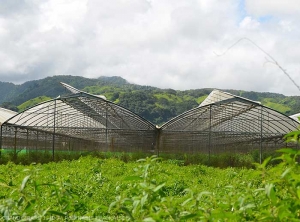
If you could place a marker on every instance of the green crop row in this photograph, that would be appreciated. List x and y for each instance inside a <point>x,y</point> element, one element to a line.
<point>150,189</point>
<point>221,160</point>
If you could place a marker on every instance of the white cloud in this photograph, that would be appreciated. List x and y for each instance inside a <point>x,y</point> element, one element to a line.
<point>164,43</point>
<point>249,23</point>
<point>273,7</point>
<point>65,15</point>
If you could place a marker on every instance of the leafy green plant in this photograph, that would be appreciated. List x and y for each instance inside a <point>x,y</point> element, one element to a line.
<point>151,189</point>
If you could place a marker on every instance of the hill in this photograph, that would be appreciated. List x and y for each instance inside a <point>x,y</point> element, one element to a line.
<point>154,104</point>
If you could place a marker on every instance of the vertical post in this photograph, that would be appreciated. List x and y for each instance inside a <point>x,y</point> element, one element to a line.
<point>54,128</point>
<point>261,134</point>
<point>27,143</point>
<point>45,143</point>
<point>37,141</point>
<point>106,136</point>
<point>1,141</point>
<point>15,143</point>
<point>297,147</point>
<point>209,134</point>
<point>158,132</point>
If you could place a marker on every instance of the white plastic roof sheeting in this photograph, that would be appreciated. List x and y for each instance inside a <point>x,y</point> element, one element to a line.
<point>296,117</point>
<point>74,90</point>
<point>222,111</point>
<point>42,116</point>
<point>218,95</point>
<point>80,110</point>
<point>5,114</point>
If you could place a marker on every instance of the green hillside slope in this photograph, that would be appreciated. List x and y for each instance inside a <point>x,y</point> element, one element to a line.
<point>32,102</point>
<point>154,104</point>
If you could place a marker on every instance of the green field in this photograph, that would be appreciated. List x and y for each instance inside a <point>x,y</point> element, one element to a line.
<point>150,189</point>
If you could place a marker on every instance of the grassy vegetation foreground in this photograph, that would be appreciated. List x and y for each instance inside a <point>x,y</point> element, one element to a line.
<point>149,190</point>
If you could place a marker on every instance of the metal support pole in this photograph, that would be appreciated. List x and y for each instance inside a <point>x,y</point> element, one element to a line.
<point>158,134</point>
<point>27,143</point>
<point>15,143</point>
<point>261,135</point>
<point>106,136</point>
<point>45,143</point>
<point>69,144</point>
<point>297,147</point>
<point>54,128</point>
<point>209,134</point>
<point>0,141</point>
<point>37,141</point>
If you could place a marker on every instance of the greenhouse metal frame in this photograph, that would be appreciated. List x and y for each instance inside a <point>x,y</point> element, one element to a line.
<point>226,123</point>
<point>78,122</point>
<point>83,122</point>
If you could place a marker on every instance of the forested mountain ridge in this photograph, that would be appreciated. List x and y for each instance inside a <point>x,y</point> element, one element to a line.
<point>154,104</point>
<point>17,94</point>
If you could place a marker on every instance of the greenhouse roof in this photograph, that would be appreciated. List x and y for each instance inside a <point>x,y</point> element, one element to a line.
<point>228,118</point>
<point>218,95</point>
<point>222,111</point>
<point>78,115</point>
<point>296,117</point>
<point>5,114</point>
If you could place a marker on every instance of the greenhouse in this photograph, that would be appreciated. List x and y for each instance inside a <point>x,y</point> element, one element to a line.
<point>83,122</point>
<point>226,123</point>
<point>78,122</point>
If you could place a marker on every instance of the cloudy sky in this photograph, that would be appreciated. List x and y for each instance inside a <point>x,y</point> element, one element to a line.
<point>163,43</point>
